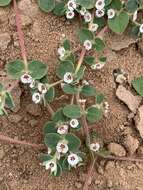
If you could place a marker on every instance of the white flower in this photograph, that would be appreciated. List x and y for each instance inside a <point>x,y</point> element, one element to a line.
<point>63,129</point>
<point>135,15</point>
<point>26,79</point>
<point>83,11</point>
<point>106,105</point>
<point>94,147</point>
<point>97,66</point>
<point>85,82</point>
<point>73,159</point>
<point>111,13</point>
<point>88,45</point>
<point>71,5</point>
<point>100,4</point>
<point>61,52</point>
<point>70,14</point>
<point>42,88</point>
<point>87,17</point>
<point>94,27</point>
<point>68,78</point>
<point>36,97</point>
<point>32,84</point>
<point>74,123</point>
<point>141,28</point>
<point>50,165</point>
<point>99,13</point>
<point>49,150</point>
<point>62,147</point>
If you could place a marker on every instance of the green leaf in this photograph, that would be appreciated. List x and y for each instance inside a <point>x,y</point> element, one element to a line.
<point>51,140</point>
<point>88,4</point>
<point>69,89</point>
<point>116,4</point>
<point>108,2</point>
<point>1,87</point>
<point>15,69</point>
<point>85,34</point>
<point>59,171</point>
<point>100,21</point>
<point>119,23</point>
<point>49,96</point>
<point>132,5</point>
<point>65,164</point>
<point>37,69</point>
<point>73,142</point>
<point>88,90</point>
<point>64,67</point>
<point>49,127</point>
<point>94,114</point>
<point>45,157</point>
<point>46,5</point>
<point>99,44</point>
<point>99,98</point>
<point>4,3</point>
<point>59,9</point>
<point>9,100</point>
<point>66,44</point>
<point>138,85</point>
<point>72,111</point>
<point>89,60</point>
<point>59,116</point>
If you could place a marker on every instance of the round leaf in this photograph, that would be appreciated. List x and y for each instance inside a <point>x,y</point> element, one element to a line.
<point>37,69</point>
<point>88,4</point>
<point>73,142</point>
<point>69,89</point>
<point>46,5</point>
<point>119,23</point>
<point>64,67</point>
<point>49,96</point>
<point>51,140</point>
<point>138,85</point>
<point>49,127</point>
<point>15,69</point>
<point>59,9</point>
<point>72,111</point>
<point>85,34</point>
<point>94,114</point>
<point>4,3</point>
<point>88,90</point>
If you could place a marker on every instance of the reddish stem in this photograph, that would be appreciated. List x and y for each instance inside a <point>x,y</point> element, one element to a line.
<point>20,33</point>
<point>24,143</point>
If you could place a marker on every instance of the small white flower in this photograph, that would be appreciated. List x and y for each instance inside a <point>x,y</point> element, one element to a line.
<point>82,101</point>
<point>68,78</point>
<point>111,13</point>
<point>73,159</point>
<point>135,15</point>
<point>61,52</point>
<point>63,129</point>
<point>62,147</point>
<point>88,45</point>
<point>50,165</point>
<point>74,123</point>
<point>71,5</point>
<point>106,105</point>
<point>97,66</point>
<point>141,28</point>
<point>36,97</point>
<point>85,82</point>
<point>99,13</point>
<point>49,150</point>
<point>26,79</point>
<point>94,147</point>
<point>32,84</point>
<point>87,17</point>
<point>42,88</point>
<point>83,11</point>
<point>94,27</point>
<point>100,4</point>
<point>70,14</point>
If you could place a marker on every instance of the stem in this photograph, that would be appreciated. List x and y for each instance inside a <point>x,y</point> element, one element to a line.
<point>23,143</point>
<point>50,109</point>
<point>89,175</point>
<point>54,84</point>
<point>20,35</point>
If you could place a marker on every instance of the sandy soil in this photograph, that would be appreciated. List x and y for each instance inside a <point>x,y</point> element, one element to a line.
<point>20,167</point>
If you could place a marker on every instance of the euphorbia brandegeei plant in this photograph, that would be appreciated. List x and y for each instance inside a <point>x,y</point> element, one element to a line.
<point>68,125</point>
